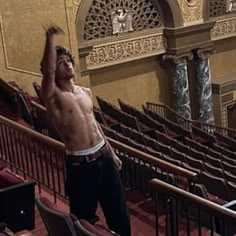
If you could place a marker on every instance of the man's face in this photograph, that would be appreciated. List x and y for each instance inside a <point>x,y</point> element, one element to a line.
<point>64,67</point>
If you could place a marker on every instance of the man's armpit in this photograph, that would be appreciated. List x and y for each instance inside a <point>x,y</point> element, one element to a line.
<point>53,100</point>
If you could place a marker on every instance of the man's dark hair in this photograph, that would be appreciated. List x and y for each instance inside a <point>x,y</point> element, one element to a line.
<point>64,51</point>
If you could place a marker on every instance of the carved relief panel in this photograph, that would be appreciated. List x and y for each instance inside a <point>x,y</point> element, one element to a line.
<point>191,10</point>
<point>109,26</point>
<point>108,18</point>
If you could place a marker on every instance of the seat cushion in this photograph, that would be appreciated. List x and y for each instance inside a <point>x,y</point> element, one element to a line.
<point>7,178</point>
<point>98,230</point>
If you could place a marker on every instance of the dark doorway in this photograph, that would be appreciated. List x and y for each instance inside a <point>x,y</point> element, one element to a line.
<point>231,111</point>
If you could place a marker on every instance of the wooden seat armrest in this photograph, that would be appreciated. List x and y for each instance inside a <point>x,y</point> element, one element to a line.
<point>24,233</point>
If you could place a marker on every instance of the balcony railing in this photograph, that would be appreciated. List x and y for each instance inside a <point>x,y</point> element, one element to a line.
<point>188,214</point>
<point>171,114</point>
<point>41,158</point>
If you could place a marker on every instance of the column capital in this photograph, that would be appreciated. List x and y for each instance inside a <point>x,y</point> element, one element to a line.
<point>178,59</point>
<point>204,53</point>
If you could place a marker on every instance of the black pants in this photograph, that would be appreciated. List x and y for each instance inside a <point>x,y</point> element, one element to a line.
<point>88,183</point>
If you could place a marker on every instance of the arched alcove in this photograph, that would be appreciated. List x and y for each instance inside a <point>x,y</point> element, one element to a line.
<point>172,13</point>
<point>165,13</point>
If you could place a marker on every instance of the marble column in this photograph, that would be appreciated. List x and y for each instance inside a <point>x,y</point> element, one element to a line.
<point>204,87</point>
<point>179,77</point>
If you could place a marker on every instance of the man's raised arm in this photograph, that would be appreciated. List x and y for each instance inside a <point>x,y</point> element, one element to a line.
<point>48,64</point>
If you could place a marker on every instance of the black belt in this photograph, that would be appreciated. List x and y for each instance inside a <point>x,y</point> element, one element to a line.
<point>87,158</point>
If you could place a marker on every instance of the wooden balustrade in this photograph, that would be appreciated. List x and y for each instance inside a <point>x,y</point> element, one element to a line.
<point>170,114</point>
<point>197,214</point>
<point>42,159</point>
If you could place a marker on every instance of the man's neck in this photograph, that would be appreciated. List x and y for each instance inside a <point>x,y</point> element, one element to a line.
<point>67,86</point>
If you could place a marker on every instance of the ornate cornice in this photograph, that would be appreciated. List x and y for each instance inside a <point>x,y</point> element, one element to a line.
<point>126,50</point>
<point>224,29</point>
<point>184,39</point>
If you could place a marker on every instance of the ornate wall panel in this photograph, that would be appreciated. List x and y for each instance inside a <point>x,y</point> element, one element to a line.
<point>126,50</point>
<point>21,25</point>
<point>99,19</point>
<point>191,10</point>
<point>224,28</point>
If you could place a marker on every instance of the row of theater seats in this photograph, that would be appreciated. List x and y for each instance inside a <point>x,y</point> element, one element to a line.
<point>218,165</point>
<point>152,131</point>
<point>29,108</point>
<point>196,133</point>
<point>171,142</point>
<point>210,170</point>
<point>147,119</point>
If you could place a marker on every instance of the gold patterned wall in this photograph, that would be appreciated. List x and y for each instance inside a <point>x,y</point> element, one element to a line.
<point>22,36</point>
<point>134,82</point>
<point>191,11</point>
<point>22,42</point>
<point>224,28</point>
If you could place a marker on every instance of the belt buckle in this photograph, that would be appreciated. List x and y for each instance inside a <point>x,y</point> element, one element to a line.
<point>89,159</point>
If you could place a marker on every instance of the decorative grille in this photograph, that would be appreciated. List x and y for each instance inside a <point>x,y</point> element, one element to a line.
<point>98,23</point>
<point>217,8</point>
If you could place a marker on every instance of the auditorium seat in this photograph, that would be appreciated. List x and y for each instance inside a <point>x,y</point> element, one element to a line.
<point>172,160</point>
<point>109,132</point>
<point>202,137</point>
<point>230,177</point>
<point>150,142</point>
<point>123,139</point>
<point>153,152</point>
<point>178,155</point>
<point>191,168</point>
<point>137,145</point>
<point>181,147</point>
<point>59,223</point>
<point>221,149</point>
<point>229,167</point>
<point>215,162</point>
<point>165,149</point>
<point>195,163</point>
<point>225,141</point>
<point>99,116</point>
<point>215,185</point>
<point>232,190</point>
<point>37,88</point>
<point>197,155</point>
<point>218,172</point>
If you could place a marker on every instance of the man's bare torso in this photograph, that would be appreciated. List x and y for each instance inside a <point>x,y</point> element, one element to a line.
<point>72,115</point>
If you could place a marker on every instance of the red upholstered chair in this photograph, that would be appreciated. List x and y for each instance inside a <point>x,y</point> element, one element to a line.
<point>59,223</point>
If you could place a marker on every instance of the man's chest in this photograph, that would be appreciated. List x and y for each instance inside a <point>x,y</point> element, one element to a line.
<point>77,102</point>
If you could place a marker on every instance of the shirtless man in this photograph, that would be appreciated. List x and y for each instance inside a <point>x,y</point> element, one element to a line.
<point>92,166</point>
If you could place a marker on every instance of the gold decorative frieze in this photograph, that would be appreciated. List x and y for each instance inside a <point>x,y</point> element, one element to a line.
<point>126,50</point>
<point>224,29</point>
<point>191,10</point>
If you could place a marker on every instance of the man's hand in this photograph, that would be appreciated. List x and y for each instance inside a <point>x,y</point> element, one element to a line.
<point>49,57</point>
<point>54,29</point>
<point>118,162</point>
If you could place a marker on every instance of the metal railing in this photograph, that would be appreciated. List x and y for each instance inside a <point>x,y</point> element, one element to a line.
<point>188,214</point>
<point>33,155</point>
<point>42,159</point>
<point>172,115</point>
